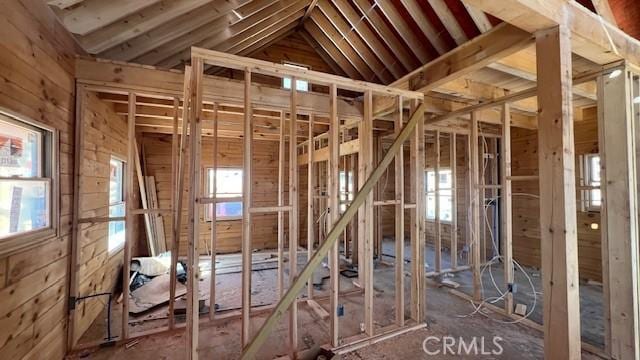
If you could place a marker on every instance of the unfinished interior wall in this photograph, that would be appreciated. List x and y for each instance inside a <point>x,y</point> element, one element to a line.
<point>157,149</point>
<point>104,137</point>
<point>526,213</point>
<point>37,81</point>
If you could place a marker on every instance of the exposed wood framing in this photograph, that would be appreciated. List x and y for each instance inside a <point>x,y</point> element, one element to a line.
<point>506,212</point>
<point>618,136</point>
<point>334,213</point>
<point>475,205</point>
<point>558,228</point>
<point>293,220</point>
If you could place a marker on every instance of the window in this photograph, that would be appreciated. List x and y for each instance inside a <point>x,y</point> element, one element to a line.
<point>346,190</point>
<point>592,198</point>
<point>228,190</point>
<point>26,173</point>
<point>445,183</point>
<point>301,85</point>
<point>116,204</point>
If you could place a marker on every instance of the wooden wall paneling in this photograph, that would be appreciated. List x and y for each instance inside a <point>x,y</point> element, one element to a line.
<point>558,225</point>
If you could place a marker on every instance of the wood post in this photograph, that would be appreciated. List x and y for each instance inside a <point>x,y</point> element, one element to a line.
<point>399,218</point>
<point>366,145</point>
<point>558,228</point>
<point>246,214</point>
<point>131,136</point>
<point>334,212</point>
<point>310,200</point>
<point>475,207</point>
<point>214,219</point>
<point>454,202</point>
<point>195,192</point>
<point>179,193</point>
<point>618,136</point>
<point>506,208</point>
<point>438,235</point>
<point>293,217</point>
<point>175,148</point>
<point>418,297</point>
<point>281,155</point>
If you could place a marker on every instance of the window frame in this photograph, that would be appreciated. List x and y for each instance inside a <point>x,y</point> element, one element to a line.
<point>585,180</point>
<point>206,217</point>
<point>302,81</point>
<point>51,174</point>
<point>120,246</point>
<point>427,193</point>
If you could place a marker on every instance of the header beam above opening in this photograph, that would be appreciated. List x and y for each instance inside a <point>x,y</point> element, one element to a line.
<point>216,58</point>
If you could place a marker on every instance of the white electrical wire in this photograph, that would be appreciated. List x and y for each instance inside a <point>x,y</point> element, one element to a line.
<point>496,258</point>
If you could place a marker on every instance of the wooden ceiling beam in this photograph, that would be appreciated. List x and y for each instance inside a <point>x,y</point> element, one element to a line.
<point>604,9</point>
<point>401,26</point>
<point>479,18</point>
<point>326,44</point>
<point>449,21</point>
<point>365,66</point>
<point>175,31</point>
<point>91,15</point>
<point>139,23</point>
<point>387,73</point>
<point>339,9</point>
<point>255,20</point>
<point>425,25</point>
<point>501,41</point>
<point>63,4</point>
<point>380,26</point>
<point>592,38</point>
<point>153,82</point>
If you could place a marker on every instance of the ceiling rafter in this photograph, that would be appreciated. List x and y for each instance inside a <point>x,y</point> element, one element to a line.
<point>343,46</point>
<point>330,49</point>
<point>91,15</point>
<point>174,30</point>
<point>386,34</point>
<point>604,9</point>
<point>261,36</point>
<point>322,53</point>
<point>449,21</point>
<point>425,25</point>
<point>479,18</point>
<point>258,19</point>
<point>401,26</point>
<point>139,23</point>
<point>335,26</point>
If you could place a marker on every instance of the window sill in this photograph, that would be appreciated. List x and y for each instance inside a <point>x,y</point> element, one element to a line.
<point>227,218</point>
<point>23,241</point>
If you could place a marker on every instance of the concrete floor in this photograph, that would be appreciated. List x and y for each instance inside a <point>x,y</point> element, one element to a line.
<point>444,312</point>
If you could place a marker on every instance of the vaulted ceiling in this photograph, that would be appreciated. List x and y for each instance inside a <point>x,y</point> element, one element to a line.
<point>378,41</point>
<point>374,40</point>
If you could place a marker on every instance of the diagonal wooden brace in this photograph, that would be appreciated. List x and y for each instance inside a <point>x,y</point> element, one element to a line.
<point>293,291</point>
